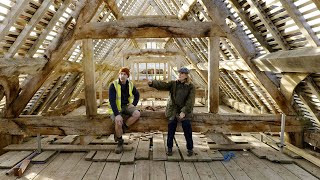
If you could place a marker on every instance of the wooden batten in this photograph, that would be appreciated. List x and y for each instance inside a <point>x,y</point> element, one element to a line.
<point>102,124</point>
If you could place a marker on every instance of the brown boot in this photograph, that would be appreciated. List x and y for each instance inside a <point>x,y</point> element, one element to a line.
<point>119,147</point>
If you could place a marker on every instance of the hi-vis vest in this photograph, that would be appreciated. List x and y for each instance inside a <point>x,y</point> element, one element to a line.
<point>117,86</point>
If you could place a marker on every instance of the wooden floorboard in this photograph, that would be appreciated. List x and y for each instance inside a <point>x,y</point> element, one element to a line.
<point>173,170</point>
<point>137,164</point>
<point>142,170</point>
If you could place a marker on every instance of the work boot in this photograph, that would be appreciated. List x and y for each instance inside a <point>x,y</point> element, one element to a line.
<point>119,147</point>
<point>169,152</point>
<point>190,152</point>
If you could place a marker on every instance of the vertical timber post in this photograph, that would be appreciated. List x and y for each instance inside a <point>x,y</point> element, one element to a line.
<point>89,79</point>
<point>213,74</point>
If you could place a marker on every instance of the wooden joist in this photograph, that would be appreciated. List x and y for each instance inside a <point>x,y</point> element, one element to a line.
<point>147,27</point>
<point>102,124</point>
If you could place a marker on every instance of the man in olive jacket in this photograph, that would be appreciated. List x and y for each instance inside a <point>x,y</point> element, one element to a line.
<point>179,106</point>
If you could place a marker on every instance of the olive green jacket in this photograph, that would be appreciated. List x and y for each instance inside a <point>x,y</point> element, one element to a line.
<point>172,109</point>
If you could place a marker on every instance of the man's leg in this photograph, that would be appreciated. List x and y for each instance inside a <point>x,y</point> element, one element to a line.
<point>172,126</point>
<point>187,130</point>
<point>132,119</point>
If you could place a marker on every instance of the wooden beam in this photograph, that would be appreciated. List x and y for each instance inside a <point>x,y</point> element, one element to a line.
<point>213,75</point>
<point>185,8</point>
<point>303,60</point>
<point>240,106</point>
<point>150,59</point>
<point>312,109</point>
<point>317,3</point>
<point>16,66</point>
<point>301,22</point>
<point>246,50</point>
<point>28,28</point>
<point>112,5</point>
<point>89,79</point>
<point>230,65</point>
<point>148,27</point>
<point>289,82</point>
<point>12,17</point>
<point>66,109</point>
<point>56,54</point>
<point>100,125</point>
<point>263,16</point>
<point>57,15</point>
<point>144,52</point>
<point>243,15</point>
<point>313,86</point>
<point>312,138</point>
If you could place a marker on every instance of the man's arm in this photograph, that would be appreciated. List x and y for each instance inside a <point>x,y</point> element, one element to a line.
<point>112,99</point>
<point>162,86</point>
<point>188,108</point>
<point>136,95</point>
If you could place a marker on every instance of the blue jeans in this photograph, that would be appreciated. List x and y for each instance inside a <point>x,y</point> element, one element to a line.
<point>187,130</point>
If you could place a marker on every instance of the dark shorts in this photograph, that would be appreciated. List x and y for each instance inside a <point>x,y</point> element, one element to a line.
<point>125,111</point>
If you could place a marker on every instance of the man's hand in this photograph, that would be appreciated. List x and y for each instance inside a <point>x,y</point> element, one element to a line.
<point>119,120</point>
<point>181,116</point>
<point>149,82</point>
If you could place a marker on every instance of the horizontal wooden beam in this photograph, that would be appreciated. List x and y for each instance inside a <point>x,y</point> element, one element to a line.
<point>17,66</point>
<point>148,28</point>
<point>102,124</point>
<point>304,60</point>
<point>144,52</point>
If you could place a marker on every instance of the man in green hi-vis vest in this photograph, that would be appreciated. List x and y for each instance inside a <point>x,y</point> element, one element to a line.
<point>123,98</point>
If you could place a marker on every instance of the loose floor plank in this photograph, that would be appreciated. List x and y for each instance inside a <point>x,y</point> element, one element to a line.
<point>183,149</point>
<point>247,167</point>
<point>8,155</point>
<point>43,157</point>
<point>219,170</point>
<point>64,147</point>
<point>113,157</point>
<point>143,150</point>
<point>298,171</point>
<point>128,156</point>
<point>188,171</point>
<point>142,170</point>
<point>110,171</point>
<point>159,152</point>
<point>204,171</point>
<point>201,148</point>
<point>157,170</point>
<point>35,169</point>
<point>94,171</point>
<point>126,172</point>
<point>175,151</point>
<point>101,156</point>
<point>90,155</point>
<point>66,140</point>
<point>219,138</point>
<point>173,170</point>
<point>10,162</point>
<point>215,155</point>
